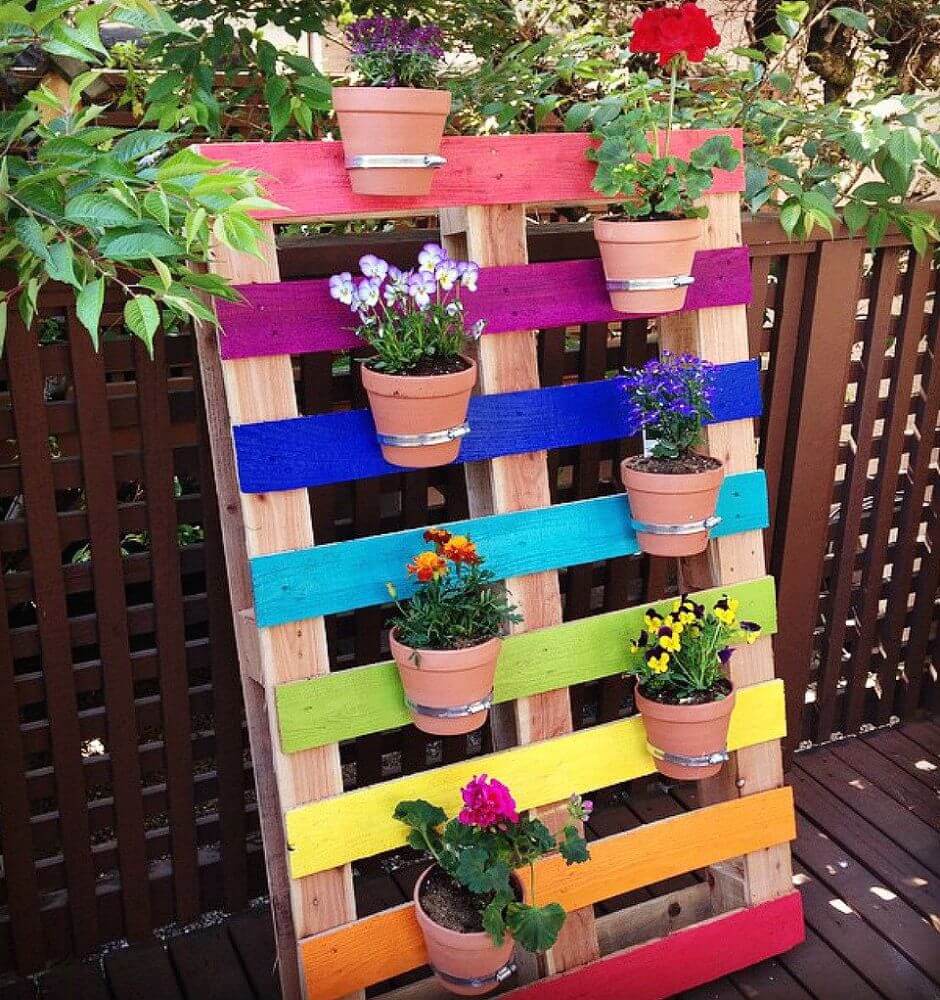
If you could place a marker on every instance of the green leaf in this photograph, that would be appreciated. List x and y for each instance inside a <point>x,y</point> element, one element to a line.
<point>29,233</point>
<point>166,279</point>
<point>157,205</point>
<point>60,266</point>
<point>775,43</point>
<point>99,211</point>
<point>185,163</point>
<point>479,872</point>
<point>573,847</point>
<point>850,18</point>
<point>856,215</point>
<point>877,227</point>
<point>873,191</point>
<point>88,306</point>
<point>536,928</point>
<point>137,245</point>
<point>142,142</point>
<point>237,232</point>
<point>419,815</point>
<point>577,115</point>
<point>494,914</point>
<point>904,145</point>
<point>790,215</point>
<point>142,318</point>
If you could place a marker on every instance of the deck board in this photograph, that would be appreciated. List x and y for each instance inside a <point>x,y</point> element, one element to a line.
<point>868,811</point>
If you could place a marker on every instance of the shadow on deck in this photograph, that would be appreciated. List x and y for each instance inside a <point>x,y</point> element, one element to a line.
<point>867,861</point>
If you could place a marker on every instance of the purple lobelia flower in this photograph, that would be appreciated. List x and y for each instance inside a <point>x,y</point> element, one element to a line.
<point>672,398</point>
<point>392,52</point>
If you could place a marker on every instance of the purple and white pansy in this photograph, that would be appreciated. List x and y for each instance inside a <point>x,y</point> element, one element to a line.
<point>387,302</point>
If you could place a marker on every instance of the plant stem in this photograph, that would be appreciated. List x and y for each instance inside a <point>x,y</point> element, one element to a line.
<point>672,101</point>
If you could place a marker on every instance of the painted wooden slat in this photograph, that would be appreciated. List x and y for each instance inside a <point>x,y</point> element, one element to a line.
<point>338,447</point>
<point>359,824</point>
<point>668,966</point>
<point>389,943</point>
<point>309,179</point>
<point>299,317</point>
<point>315,712</point>
<point>342,576</point>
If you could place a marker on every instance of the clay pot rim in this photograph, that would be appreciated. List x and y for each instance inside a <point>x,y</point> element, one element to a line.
<point>690,713</point>
<point>405,100</point>
<point>472,938</point>
<point>395,384</point>
<point>614,230</point>
<point>393,639</point>
<point>670,482</point>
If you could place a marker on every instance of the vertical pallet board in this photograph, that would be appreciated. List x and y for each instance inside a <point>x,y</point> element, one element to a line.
<point>263,389</point>
<point>494,236</point>
<point>720,335</point>
<point>317,907</point>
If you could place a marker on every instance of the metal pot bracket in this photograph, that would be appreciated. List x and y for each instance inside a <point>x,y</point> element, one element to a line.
<point>688,528</point>
<point>650,284</point>
<point>476,982</point>
<point>452,712</point>
<point>421,440</point>
<point>685,760</point>
<point>398,161</point>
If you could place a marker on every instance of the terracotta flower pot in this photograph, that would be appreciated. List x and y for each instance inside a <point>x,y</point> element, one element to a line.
<point>456,956</point>
<point>377,121</point>
<point>686,730</point>
<point>419,404</point>
<point>648,249</point>
<point>666,499</point>
<point>447,679</point>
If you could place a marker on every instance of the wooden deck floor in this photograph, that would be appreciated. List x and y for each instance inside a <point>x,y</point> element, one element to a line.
<point>867,860</point>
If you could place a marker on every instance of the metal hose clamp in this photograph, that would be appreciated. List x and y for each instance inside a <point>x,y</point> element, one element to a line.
<point>476,982</point>
<point>684,760</point>
<point>689,528</point>
<point>419,161</point>
<point>649,284</point>
<point>418,440</point>
<point>452,712</point>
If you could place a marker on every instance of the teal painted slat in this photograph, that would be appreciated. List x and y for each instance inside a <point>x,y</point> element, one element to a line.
<point>342,576</point>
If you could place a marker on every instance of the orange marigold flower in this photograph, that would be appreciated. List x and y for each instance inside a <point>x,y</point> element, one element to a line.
<point>461,550</point>
<point>427,566</point>
<point>437,536</point>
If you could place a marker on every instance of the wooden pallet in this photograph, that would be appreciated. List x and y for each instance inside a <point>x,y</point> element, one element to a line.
<point>266,456</point>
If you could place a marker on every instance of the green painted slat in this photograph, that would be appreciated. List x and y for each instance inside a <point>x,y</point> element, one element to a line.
<point>366,700</point>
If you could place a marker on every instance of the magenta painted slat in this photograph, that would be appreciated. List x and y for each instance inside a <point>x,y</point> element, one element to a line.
<point>299,317</point>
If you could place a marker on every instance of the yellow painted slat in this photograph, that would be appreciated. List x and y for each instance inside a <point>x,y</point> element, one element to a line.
<point>359,824</point>
<point>354,956</point>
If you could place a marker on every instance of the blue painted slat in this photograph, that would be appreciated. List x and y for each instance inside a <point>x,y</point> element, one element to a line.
<point>342,576</point>
<point>338,447</point>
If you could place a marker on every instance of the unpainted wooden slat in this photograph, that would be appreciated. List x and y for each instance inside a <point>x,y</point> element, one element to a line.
<point>720,336</point>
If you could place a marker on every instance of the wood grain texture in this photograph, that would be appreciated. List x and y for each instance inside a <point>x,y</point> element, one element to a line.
<point>720,335</point>
<point>300,317</point>
<point>670,965</point>
<point>316,711</point>
<point>263,389</point>
<point>390,943</point>
<point>359,824</point>
<point>290,586</point>
<point>496,236</point>
<point>338,447</point>
<point>309,180</point>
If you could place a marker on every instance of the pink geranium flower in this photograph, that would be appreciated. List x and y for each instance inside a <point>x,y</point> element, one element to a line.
<point>487,803</point>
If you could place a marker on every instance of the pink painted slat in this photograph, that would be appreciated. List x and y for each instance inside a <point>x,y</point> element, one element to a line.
<point>299,317</point>
<point>310,180</point>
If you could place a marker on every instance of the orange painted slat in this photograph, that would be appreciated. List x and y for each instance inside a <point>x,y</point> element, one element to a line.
<point>387,944</point>
<point>310,180</point>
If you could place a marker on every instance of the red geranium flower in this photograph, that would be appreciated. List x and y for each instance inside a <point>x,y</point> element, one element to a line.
<point>675,31</point>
